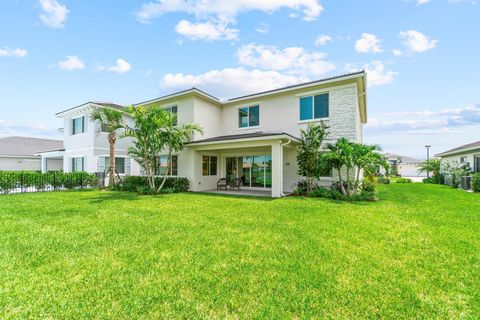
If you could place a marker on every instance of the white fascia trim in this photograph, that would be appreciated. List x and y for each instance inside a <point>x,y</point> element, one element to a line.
<point>179,94</point>
<point>272,137</point>
<point>320,82</point>
<point>35,156</point>
<point>458,152</point>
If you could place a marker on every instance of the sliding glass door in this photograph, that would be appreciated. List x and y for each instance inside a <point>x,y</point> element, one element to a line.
<point>255,171</point>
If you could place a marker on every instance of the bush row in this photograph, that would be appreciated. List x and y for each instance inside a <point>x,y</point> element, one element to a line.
<point>37,181</point>
<point>368,192</point>
<point>140,184</point>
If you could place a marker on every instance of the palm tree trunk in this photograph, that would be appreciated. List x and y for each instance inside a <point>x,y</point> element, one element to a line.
<point>111,178</point>
<point>168,170</point>
<point>342,187</point>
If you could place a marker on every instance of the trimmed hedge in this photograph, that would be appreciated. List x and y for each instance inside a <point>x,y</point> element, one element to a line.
<point>476,182</point>
<point>140,184</point>
<point>28,181</point>
<point>404,180</point>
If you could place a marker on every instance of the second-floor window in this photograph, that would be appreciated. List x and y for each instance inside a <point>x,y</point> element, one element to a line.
<point>78,125</point>
<point>174,111</point>
<point>249,116</point>
<point>314,107</point>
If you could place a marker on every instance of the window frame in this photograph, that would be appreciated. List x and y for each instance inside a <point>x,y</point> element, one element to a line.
<point>107,163</point>
<point>209,166</point>
<point>171,171</point>
<point>476,163</point>
<point>252,105</point>
<point>312,95</point>
<point>73,132</point>
<point>169,109</point>
<point>73,164</point>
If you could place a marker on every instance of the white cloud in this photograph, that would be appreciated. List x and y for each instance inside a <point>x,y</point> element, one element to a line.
<point>262,28</point>
<point>293,60</point>
<point>311,9</point>
<point>417,42</point>
<point>10,52</point>
<point>214,18</point>
<point>231,82</point>
<point>377,75</point>
<point>206,31</point>
<point>322,40</point>
<point>10,128</point>
<point>54,14</point>
<point>397,52</point>
<point>368,43</point>
<point>420,2</point>
<point>121,66</point>
<point>71,63</point>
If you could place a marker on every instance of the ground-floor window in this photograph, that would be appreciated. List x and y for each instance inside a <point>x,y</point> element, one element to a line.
<point>164,166</point>
<point>78,164</point>
<point>255,171</point>
<point>477,164</point>
<point>209,165</point>
<point>119,164</point>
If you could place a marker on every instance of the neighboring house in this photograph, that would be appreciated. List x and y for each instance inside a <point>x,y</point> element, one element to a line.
<point>253,137</point>
<point>21,153</point>
<point>406,166</point>
<point>469,153</point>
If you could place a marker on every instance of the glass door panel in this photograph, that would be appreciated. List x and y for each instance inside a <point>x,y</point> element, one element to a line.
<point>268,171</point>
<point>246,163</point>
<point>232,168</point>
<point>258,171</point>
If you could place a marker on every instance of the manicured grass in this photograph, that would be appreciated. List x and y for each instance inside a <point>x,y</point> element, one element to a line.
<point>97,254</point>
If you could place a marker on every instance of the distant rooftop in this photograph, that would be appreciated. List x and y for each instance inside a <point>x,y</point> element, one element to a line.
<point>26,146</point>
<point>461,148</point>
<point>402,159</point>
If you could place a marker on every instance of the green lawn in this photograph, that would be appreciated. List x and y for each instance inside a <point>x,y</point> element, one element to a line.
<point>96,254</point>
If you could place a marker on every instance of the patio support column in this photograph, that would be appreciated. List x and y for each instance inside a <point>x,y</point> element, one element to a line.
<point>277,176</point>
<point>44,164</point>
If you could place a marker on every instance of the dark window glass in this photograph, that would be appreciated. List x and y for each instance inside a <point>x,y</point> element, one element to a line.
<point>119,164</point>
<point>306,108</point>
<point>213,166</point>
<point>243,117</point>
<point>78,164</point>
<point>321,106</point>
<point>162,167</point>
<point>78,125</point>
<point>205,165</point>
<point>254,116</point>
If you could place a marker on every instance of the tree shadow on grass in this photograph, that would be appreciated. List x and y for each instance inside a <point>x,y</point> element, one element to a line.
<point>236,196</point>
<point>114,196</point>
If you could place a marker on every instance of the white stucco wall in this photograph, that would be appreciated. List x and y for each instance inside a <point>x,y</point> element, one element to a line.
<point>19,164</point>
<point>457,157</point>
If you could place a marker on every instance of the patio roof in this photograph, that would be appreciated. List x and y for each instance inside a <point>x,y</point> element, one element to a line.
<point>247,136</point>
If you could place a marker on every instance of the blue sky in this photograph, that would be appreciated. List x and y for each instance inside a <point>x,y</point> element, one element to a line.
<point>422,58</point>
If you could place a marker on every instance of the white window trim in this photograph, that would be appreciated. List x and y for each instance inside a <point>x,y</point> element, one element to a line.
<point>84,163</point>
<point>218,163</point>
<point>254,104</point>
<point>313,107</point>
<point>84,125</point>
<point>166,155</point>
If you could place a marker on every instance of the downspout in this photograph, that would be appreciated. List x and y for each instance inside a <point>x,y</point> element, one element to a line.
<point>281,162</point>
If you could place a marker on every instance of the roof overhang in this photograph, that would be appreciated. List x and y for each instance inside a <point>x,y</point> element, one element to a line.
<point>457,152</point>
<point>264,140</point>
<point>78,110</point>
<point>192,91</point>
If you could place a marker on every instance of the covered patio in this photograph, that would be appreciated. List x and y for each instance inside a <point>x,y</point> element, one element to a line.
<point>254,160</point>
<point>52,160</point>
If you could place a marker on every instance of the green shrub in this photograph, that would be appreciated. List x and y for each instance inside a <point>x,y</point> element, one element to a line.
<point>404,180</point>
<point>383,180</point>
<point>140,184</point>
<point>368,193</point>
<point>476,182</point>
<point>301,188</point>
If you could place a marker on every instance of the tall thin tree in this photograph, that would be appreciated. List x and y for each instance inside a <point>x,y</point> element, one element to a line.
<point>110,121</point>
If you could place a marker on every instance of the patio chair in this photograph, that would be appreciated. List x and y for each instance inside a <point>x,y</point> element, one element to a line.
<point>222,184</point>
<point>236,183</point>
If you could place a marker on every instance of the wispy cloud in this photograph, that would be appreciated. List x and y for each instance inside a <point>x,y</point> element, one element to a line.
<point>9,128</point>
<point>13,52</point>
<point>71,63</point>
<point>368,43</point>
<point>417,42</point>
<point>378,74</point>
<point>120,66</point>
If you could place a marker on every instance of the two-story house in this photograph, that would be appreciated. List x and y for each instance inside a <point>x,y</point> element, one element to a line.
<point>252,137</point>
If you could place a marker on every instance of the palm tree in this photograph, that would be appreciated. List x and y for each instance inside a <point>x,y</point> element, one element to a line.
<point>110,120</point>
<point>174,138</point>
<point>432,165</point>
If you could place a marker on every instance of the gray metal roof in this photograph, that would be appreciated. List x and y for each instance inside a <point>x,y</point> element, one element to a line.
<point>257,134</point>
<point>402,159</point>
<point>461,148</point>
<point>26,146</point>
